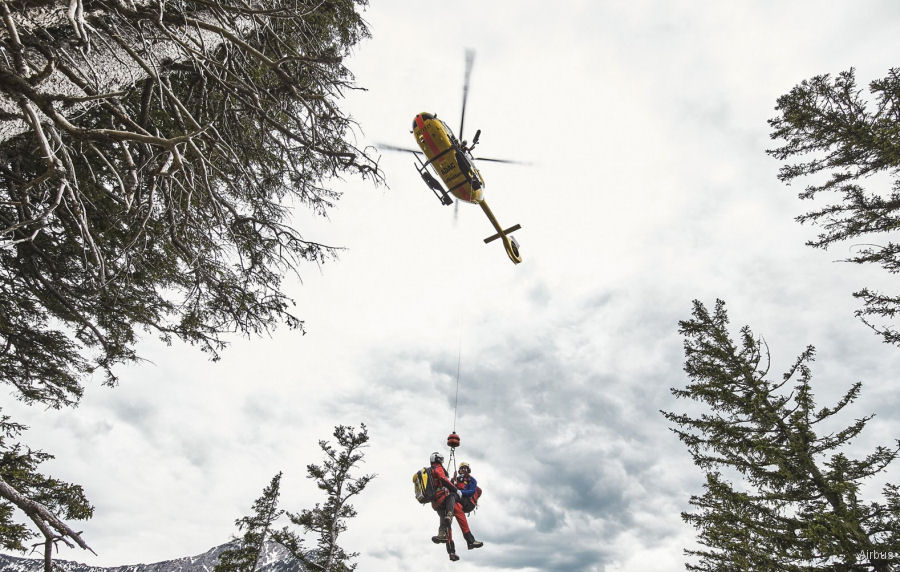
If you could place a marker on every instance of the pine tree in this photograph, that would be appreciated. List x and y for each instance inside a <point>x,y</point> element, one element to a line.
<point>164,203</point>
<point>327,521</point>
<point>793,503</point>
<point>151,155</point>
<point>244,557</point>
<point>835,131</point>
<point>44,500</point>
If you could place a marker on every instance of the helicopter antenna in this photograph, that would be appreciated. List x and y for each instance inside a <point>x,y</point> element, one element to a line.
<point>470,59</point>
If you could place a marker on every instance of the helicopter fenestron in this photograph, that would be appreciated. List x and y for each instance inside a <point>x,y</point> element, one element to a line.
<point>451,160</point>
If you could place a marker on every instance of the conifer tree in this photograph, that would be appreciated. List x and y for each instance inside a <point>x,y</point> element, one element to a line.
<point>327,521</point>
<point>152,153</point>
<point>244,557</point>
<point>779,494</point>
<point>45,501</point>
<point>836,132</point>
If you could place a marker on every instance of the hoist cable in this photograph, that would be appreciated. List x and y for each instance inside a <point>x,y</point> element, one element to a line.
<point>452,459</point>
<point>456,401</point>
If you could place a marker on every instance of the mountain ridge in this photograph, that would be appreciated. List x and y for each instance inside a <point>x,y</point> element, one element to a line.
<point>274,559</point>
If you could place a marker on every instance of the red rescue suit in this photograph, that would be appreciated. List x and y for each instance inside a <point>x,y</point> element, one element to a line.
<point>446,503</point>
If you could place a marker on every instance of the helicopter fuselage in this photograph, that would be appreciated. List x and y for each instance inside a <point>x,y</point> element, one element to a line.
<point>454,164</point>
<point>450,160</point>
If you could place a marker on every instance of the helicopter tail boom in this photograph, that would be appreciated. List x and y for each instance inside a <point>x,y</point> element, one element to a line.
<point>509,243</point>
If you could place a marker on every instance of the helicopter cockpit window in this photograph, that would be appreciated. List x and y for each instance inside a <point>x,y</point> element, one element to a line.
<point>449,131</point>
<point>424,117</point>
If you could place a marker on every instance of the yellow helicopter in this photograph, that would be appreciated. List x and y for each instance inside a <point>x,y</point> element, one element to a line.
<point>452,161</point>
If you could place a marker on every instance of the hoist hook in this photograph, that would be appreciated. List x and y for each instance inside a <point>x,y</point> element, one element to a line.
<point>453,443</point>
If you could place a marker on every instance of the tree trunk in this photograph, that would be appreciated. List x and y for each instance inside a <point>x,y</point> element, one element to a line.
<point>41,516</point>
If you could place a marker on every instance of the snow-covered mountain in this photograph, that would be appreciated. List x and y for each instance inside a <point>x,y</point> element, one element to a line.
<point>274,560</point>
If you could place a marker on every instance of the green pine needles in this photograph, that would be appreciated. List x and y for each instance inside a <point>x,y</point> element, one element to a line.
<point>793,503</point>
<point>245,556</point>
<point>157,194</point>
<point>325,521</point>
<point>832,130</point>
<point>43,500</point>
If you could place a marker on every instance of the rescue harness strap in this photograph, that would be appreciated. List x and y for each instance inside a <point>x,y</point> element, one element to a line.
<point>452,461</point>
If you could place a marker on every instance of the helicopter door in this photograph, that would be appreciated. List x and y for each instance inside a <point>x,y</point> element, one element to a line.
<point>464,162</point>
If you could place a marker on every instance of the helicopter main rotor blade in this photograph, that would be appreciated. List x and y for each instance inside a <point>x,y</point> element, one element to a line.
<point>387,147</point>
<point>509,161</point>
<point>470,59</point>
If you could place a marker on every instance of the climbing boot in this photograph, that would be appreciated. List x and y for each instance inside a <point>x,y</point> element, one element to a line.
<point>441,536</point>
<point>451,551</point>
<point>470,540</point>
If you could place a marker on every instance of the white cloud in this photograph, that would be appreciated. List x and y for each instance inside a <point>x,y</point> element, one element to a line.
<point>650,187</point>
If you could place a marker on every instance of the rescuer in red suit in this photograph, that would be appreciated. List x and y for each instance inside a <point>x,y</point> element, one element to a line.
<point>446,504</point>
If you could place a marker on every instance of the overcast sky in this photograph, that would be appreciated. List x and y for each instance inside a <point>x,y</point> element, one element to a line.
<point>650,187</point>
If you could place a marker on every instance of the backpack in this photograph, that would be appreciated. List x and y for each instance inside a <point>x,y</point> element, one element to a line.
<point>471,503</point>
<point>423,485</point>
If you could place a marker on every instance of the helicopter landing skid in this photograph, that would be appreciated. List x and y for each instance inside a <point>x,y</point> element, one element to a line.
<point>436,188</point>
<point>433,183</point>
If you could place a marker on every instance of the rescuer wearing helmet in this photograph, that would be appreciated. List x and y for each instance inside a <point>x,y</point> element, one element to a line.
<point>444,503</point>
<point>469,492</point>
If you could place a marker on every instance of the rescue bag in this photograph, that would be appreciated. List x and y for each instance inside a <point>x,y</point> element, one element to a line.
<point>423,485</point>
<point>470,503</point>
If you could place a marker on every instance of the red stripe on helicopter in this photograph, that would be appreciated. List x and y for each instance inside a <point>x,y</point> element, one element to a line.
<point>426,135</point>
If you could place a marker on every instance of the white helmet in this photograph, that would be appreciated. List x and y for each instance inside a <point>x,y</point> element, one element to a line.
<point>437,458</point>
